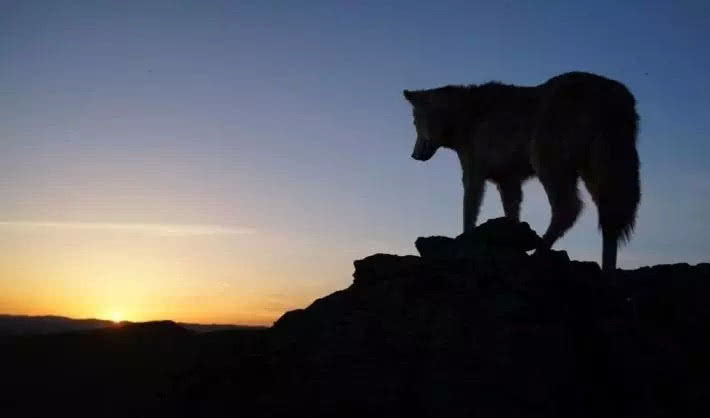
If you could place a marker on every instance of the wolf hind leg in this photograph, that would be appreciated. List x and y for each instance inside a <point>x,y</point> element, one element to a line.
<point>610,247</point>
<point>511,195</point>
<point>563,195</point>
<point>610,236</point>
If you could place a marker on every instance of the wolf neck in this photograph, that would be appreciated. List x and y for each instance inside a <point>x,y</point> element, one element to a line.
<point>494,103</point>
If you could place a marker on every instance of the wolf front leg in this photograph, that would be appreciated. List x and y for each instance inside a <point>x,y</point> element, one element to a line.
<point>511,194</point>
<point>473,184</point>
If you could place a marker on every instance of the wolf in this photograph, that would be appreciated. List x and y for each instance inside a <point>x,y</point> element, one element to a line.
<point>573,125</point>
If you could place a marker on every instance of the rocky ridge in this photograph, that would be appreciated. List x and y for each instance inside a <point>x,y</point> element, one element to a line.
<point>476,326</point>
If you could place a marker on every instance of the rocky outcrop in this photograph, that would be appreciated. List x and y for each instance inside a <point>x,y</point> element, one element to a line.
<point>475,326</point>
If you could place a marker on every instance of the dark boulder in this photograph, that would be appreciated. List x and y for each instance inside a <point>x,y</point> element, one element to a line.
<point>499,235</point>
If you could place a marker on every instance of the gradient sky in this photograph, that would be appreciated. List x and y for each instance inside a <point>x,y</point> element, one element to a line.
<point>225,161</point>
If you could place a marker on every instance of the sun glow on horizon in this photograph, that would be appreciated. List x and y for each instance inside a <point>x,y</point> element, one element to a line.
<point>116,317</point>
<point>106,271</point>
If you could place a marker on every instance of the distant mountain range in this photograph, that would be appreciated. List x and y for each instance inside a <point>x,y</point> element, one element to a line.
<point>15,325</point>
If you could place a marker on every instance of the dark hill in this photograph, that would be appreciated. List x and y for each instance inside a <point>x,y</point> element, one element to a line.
<point>473,327</point>
<point>120,370</point>
<point>14,325</point>
<point>11,325</point>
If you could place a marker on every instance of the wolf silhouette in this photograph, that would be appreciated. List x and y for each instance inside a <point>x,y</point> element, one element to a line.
<point>573,125</point>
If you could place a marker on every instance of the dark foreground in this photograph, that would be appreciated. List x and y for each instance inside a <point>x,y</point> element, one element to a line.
<point>474,327</point>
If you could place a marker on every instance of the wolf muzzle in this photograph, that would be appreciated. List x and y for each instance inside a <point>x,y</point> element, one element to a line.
<point>424,149</point>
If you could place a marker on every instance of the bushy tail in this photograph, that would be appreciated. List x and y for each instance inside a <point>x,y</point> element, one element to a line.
<point>618,192</point>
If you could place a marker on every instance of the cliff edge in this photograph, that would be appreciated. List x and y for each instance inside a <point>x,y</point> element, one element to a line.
<point>475,326</point>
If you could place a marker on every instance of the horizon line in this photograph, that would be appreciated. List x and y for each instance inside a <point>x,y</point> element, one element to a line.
<point>236,324</point>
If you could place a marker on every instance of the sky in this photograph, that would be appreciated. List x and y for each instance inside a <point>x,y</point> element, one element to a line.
<point>226,161</point>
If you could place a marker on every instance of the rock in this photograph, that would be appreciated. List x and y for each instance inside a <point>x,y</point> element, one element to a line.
<point>494,236</point>
<point>477,327</point>
<point>437,247</point>
<point>510,335</point>
<point>503,233</point>
<point>289,317</point>
<point>381,267</point>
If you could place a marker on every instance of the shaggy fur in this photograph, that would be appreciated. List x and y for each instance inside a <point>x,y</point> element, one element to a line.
<point>573,125</point>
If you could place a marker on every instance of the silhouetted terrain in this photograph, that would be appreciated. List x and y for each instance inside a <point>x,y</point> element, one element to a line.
<point>112,371</point>
<point>473,327</point>
<point>11,325</point>
<point>49,324</point>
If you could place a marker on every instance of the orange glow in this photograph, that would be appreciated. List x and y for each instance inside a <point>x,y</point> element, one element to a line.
<point>116,316</point>
<point>120,274</point>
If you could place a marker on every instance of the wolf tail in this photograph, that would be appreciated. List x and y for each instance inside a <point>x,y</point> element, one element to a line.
<point>615,164</point>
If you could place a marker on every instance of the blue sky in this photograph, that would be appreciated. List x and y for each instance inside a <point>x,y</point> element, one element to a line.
<point>286,119</point>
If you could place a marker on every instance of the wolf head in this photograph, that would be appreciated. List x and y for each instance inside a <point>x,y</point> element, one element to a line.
<point>426,144</point>
<point>433,120</point>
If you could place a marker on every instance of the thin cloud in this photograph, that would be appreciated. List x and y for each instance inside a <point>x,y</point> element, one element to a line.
<point>173,230</point>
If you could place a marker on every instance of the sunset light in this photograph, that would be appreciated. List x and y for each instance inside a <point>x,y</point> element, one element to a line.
<point>151,171</point>
<point>320,208</point>
<point>116,317</point>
